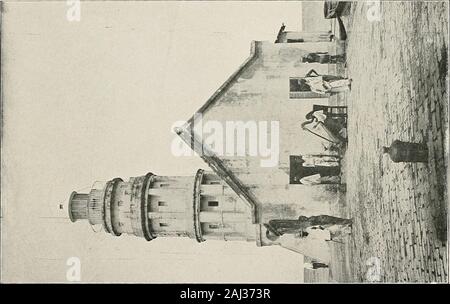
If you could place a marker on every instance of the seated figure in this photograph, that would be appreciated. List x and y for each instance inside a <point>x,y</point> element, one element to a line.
<point>323,57</point>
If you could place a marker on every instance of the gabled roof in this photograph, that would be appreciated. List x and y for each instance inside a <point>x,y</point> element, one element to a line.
<point>188,135</point>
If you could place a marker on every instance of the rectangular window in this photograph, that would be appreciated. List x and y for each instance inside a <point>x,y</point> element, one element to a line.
<point>214,226</point>
<point>162,204</point>
<point>214,183</point>
<point>163,185</point>
<point>213,204</point>
<point>163,225</point>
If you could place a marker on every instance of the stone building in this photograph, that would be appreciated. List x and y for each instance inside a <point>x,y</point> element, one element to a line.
<point>241,196</point>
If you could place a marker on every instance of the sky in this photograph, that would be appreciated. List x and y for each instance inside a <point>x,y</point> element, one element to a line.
<point>96,99</point>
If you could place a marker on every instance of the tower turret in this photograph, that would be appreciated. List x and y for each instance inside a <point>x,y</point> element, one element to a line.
<point>200,207</point>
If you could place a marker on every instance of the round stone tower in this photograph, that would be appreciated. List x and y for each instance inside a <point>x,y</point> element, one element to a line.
<point>200,207</point>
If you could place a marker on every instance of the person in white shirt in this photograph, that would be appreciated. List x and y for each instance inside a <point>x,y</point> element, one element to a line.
<point>323,84</point>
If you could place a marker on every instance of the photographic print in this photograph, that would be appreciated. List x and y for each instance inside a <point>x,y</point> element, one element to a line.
<point>224,142</point>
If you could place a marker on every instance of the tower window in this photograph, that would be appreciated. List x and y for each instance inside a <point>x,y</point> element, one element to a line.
<point>162,204</point>
<point>163,225</point>
<point>214,226</point>
<point>213,204</point>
